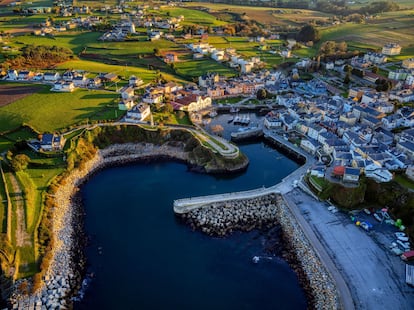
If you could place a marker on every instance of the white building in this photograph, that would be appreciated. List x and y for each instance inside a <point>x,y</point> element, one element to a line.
<point>138,113</point>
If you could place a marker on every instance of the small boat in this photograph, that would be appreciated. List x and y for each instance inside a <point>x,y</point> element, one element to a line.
<point>230,120</point>
<point>234,110</point>
<point>213,113</point>
<point>255,259</point>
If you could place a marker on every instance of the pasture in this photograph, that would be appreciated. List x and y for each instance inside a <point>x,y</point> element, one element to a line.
<point>48,111</point>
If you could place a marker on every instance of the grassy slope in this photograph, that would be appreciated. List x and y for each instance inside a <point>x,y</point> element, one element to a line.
<point>49,111</point>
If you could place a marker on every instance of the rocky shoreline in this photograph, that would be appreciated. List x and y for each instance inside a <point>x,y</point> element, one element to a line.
<point>219,219</point>
<point>63,278</point>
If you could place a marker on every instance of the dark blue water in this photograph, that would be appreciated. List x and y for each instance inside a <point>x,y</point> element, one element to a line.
<point>144,258</point>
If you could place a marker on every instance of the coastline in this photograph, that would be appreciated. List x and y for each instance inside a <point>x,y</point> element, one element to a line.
<point>62,278</point>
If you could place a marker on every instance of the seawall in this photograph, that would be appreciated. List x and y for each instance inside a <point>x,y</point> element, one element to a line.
<point>221,218</point>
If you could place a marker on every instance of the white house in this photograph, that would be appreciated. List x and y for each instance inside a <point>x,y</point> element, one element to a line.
<point>192,103</point>
<point>127,92</point>
<point>309,146</point>
<point>61,86</point>
<point>51,76</point>
<point>126,104</point>
<point>80,81</point>
<point>12,75</point>
<point>138,113</point>
<point>351,174</point>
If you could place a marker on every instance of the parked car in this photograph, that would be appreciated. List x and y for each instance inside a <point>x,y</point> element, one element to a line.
<point>401,236</point>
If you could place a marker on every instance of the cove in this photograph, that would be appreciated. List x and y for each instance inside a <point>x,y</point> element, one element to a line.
<point>142,257</point>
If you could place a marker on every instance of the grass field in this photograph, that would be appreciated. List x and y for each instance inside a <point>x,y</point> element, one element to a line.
<point>47,111</point>
<point>76,41</point>
<point>96,68</point>
<point>192,16</point>
<point>195,68</point>
<point>390,26</point>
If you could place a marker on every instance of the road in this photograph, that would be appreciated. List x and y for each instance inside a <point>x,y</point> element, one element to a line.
<point>375,277</point>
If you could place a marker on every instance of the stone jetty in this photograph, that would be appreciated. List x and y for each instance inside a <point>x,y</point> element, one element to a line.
<point>62,279</point>
<point>221,218</point>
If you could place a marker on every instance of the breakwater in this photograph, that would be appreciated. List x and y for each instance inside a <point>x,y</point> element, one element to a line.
<point>221,218</point>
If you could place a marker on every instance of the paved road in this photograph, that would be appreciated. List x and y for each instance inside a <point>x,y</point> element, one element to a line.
<point>375,277</point>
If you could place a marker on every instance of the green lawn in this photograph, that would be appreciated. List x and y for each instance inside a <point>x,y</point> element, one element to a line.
<point>47,111</point>
<point>97,67</point>
<point>195,68</point>
<point>193,16</point>
<point>76,41</point>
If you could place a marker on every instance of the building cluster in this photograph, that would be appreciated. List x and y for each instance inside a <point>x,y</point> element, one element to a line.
<point>201,50</point>
<point>354,133</point>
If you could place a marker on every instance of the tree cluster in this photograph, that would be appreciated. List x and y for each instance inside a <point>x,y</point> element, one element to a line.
<point>341,7</point>
<point>308,33</point>
<point>39,56</point>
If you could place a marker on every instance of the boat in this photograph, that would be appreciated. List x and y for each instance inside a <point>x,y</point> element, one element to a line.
<point>255,259</point>
<point>230,120</point>
<point>234,110</point>
<point>213,113</point>
<point>242,120</point>
<point>246,133</point>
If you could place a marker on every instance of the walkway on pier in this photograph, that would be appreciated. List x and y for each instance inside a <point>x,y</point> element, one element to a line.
<point>187,204</point>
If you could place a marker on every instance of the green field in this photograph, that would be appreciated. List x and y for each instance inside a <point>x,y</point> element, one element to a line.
<point>47,111</point>
<point>195,68</point>
<point>76,41</point>
<point>96,68</point>
<point>192,16</point>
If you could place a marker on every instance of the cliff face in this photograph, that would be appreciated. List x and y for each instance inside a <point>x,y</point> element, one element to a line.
<point>199,157</point>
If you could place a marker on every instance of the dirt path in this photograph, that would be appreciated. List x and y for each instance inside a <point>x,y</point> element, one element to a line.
<point>16,195</point>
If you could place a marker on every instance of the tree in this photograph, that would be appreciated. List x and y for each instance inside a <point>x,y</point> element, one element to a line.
<point>347,78</point>
<point>20,162</point>
<point>308,33</point>
<point>374,69</point>
<point>261,94</point>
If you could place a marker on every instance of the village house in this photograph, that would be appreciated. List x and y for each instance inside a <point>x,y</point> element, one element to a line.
<point>309,145</point>
<point>52,142</point>
<point>51,76</point>
<point>391,49</point>
<point>94,83</point>
<point>12,74</point>
<point>127,92</point>
<point>351,175</point>
<point>191,103</point>
<point>408,63</point>
<point>138,113</point>
<point>25,75</point>
<point>135,81</point>
<point>126,104</point>
<point>272,121</point>
<point>62,86</point>
<point>80,80</point>
<point>170,57</point>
